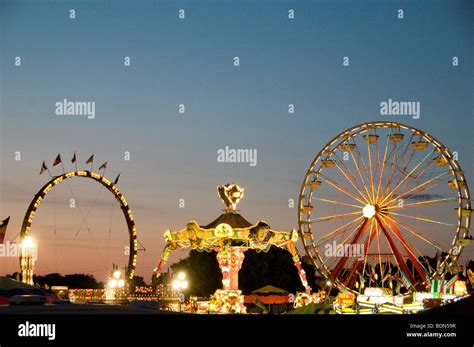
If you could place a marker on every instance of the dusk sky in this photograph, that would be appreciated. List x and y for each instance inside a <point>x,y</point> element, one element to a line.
<point>191,61</point>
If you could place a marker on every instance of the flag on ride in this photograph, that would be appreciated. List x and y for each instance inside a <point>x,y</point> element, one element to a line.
<point>73,160</point>
<point>103,166</point>
<point>3,229</point>
<point>43,168</point>
<point>90,160</point>
<point>117,178</point>
<point>57,160</point>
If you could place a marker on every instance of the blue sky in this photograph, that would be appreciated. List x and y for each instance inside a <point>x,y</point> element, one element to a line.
<point>190,61</point>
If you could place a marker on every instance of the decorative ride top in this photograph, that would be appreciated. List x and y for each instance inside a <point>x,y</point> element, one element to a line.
<point>230,194</point>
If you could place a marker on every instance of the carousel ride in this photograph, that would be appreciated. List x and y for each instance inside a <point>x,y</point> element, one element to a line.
<point>231,235</point>
<point>384,211</point>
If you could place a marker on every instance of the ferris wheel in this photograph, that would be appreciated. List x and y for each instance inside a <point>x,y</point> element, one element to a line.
<point>384,205</point>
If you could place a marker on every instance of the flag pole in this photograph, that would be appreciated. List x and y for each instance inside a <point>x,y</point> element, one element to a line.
<point>44,168</point>
<point>90,161</point>
<point>117,178</point>
<point>47,169</point>
<point>59,160</point>
<point>62,165</point>
<point>104,167</point>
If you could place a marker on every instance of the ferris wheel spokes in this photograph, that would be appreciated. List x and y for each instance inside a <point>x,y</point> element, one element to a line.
<point>394,190</point>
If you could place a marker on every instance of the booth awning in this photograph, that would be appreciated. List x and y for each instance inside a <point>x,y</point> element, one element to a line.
<point>268,295</point>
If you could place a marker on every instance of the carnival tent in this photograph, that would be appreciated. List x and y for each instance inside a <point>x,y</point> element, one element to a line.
<point>268,295</point>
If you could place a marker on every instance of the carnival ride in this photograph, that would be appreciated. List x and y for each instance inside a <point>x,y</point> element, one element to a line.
<point>230,235</point>
<point>385,205</point>
<point>384,214</point>
<point>109,185</point>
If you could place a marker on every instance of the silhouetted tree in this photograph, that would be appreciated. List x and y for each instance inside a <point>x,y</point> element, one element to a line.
<point>470,265</point>
<point>202,271</point>
<point>137,281</point>
<point>275,268</point>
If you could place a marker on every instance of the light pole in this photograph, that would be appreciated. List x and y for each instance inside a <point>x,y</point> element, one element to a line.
<point>115,284</point>
<point>180,284</point>
<point>28,259</point>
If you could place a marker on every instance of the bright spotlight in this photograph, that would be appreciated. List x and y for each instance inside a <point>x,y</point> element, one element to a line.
<point>28,242</point>
<point>113,283</point>
<point>176,284</point>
